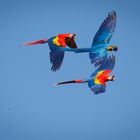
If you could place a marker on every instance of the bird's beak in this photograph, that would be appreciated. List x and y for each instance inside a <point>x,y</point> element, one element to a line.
<point>113,78</point>
<point>110,78</point>
<point>115,48</point>
<point>72,36</point>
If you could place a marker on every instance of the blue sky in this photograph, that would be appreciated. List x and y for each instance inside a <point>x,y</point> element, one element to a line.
<point>31,108</point>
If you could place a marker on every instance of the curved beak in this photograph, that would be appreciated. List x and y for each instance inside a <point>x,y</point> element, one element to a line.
<point>113,78</point>
<point>110,78</point>
<point>115,48</point>
<point>72,36</point>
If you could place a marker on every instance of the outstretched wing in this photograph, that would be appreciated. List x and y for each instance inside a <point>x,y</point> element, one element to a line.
<point>98,56</point>
<point>106,30</point>
<point>108,64</point>
<point>56,55</point>
<point>98,89</point>
<point>56,58</point>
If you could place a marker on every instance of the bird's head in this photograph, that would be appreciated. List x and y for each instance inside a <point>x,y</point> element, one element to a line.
<point>67,40</point>
<point>112,48</point>
<point>70,41</point>
<point>103,76</point>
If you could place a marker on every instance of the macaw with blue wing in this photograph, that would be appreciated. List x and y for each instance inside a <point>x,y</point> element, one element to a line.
<point>98,79</point>
<point>58,45</point>
<point>101,42</point>
<point>99,48</point>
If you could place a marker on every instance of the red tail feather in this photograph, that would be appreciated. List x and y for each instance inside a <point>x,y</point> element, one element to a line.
<point>35,42</point>
<point>69,82</point>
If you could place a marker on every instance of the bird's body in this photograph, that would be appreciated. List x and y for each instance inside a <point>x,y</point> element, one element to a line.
<point>98,82</point>
<point>96,54</point>
<point>98,79</point>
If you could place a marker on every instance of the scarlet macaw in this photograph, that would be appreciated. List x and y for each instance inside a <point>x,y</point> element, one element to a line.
<point>98,79</point>
<point>57,46</point>
<point>99,48</point>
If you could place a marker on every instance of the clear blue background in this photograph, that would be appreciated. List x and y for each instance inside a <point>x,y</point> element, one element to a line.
<point>31,108</point>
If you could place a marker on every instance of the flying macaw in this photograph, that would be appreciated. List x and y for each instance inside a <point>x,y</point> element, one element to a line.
<point>98,79</point>
<point>58,45</point>
<point>99,48</point>
<point>100,44</point>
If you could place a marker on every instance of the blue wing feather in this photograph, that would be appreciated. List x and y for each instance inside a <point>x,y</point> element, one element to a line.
<point>56,58</point>
<point>98,56</point>
<point>96,88</point>
<point>107,64</point>
<point>56,55</point>
<point>106,30</point>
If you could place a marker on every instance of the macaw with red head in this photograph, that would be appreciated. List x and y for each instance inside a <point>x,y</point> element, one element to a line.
<point>98,79</point>
<point>58,45</point>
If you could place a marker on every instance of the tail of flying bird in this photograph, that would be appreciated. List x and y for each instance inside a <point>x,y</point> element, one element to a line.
<point>70,82</point>
<point>35,42</point>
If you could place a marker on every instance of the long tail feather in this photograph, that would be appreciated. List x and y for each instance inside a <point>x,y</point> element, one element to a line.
<point>70,82</point>
<point>35,42</point>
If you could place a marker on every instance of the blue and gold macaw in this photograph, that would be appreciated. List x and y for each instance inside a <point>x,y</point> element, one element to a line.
<point>98,79</point>
<point>101,41</point>
<point>65,42</point>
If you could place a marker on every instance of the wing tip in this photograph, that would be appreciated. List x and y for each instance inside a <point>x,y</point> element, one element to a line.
<point>113,12</point>
<point>56,84</point>
<point>56,59</point>
<point>112,15</point>
<point>55,68</point>
<point>111,61</point>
